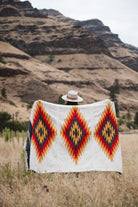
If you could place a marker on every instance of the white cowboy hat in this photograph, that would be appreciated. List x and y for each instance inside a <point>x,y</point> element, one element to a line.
<point>72,96</point>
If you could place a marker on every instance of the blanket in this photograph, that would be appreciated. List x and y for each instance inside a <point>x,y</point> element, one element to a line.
<point>64,138</point>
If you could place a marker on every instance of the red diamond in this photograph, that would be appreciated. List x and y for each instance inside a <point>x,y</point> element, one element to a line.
<point>75,133</point>
<point>43,131</point>
<point>106,132</point>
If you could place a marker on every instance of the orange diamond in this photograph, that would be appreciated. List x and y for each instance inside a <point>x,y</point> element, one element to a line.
<point>75,133</point>
<point>106,132</point>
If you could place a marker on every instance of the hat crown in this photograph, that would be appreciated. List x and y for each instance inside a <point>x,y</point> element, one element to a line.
<point>72,94</point>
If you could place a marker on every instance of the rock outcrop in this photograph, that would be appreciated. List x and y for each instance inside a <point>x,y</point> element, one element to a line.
<point>54,33</point>
<point>18,8</point>
<point>127,54</point>
<point>45,36</point>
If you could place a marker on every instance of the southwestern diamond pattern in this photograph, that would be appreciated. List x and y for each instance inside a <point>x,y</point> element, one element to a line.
<point>75,133</point>
<point>106,133</point>
<point>43,131</point>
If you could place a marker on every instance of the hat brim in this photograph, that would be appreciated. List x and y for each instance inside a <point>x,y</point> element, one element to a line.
<point>65,98</point>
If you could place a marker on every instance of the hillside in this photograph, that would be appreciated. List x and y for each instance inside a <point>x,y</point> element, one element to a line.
<point>126,54</point>
<point>22,81</point>
<point>43,57</point>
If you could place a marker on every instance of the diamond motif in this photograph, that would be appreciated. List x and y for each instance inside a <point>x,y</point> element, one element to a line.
<point>43,131</point>
<point>106,132</point>
<point>75,133</point>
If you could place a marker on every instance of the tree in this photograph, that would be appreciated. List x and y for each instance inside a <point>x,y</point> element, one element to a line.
<point>113,98</point>
<point>116,86</point>
<point>112,94</point>
<point>117,108</point>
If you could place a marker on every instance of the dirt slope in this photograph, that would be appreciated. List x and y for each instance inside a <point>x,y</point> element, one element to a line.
<point>27,79</point>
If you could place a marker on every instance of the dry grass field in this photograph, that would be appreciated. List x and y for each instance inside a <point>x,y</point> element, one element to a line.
<point>92,189</point>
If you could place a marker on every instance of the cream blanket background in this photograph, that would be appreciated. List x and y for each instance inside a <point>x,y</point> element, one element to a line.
<point>79,138</point>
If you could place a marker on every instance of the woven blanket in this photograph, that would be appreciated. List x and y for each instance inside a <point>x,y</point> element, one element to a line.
<point>63,138</point>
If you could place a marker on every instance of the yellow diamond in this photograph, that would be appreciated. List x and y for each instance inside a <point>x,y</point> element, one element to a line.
<point>108,136</point>
<point>41,131</point>
<point>75,133</point>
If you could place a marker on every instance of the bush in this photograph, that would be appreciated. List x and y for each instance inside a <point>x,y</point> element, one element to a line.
<point>59,60</point>
<point>124,117</point>
<point>121,121</point>
<point>51,58</point>
<point>136,120</point>
<point>4,118</point>
<point>17,126</point>
<point>3,92</point>
<point>128,116</point>
<point>12,125</point>
<point>60,100</point>
<point>128,124</point>
<point>29,106</point>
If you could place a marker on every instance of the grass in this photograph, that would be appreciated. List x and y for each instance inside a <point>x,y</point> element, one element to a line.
<point>19,187</point>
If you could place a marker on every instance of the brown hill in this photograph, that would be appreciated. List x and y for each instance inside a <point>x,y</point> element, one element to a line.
<point>21,76</point>
<point>27,79</point>
<point>66,56</point>
<point>38,36</point>
<point>125,53</point>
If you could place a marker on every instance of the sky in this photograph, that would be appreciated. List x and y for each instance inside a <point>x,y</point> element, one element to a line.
<point>120,15</point>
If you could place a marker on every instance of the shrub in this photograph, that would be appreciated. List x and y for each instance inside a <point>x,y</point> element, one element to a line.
<point>29,106</point>
<point>130,124</point>
<point>51,58</point>
<point>133,125</point>
<point>59,60</point>
<point>17,126</point>
<point>3,92</point>
<point>136,120</point>
<point>128,116</point>
<point>120,121</point>
<point>4,118</point>
<point>60,100</point>
<point>124,117</point>
<point>12,125</point>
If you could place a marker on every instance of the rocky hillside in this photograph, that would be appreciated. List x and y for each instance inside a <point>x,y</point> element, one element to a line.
<point>43,55</point>
<point>125,53</point>
<point>41,35</point>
